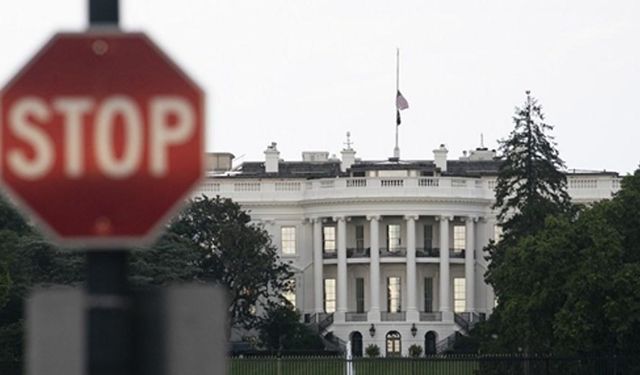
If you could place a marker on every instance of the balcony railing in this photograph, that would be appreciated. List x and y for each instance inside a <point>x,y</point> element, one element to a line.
<point>358,252</point>
<point>355,317</point>
<point>393,316</point>
<point>580,187</point>
<point>434,316</point>
<point>429,252</point>
<point>329,254</point>
<point>421,252</point>
<point>394,252</point>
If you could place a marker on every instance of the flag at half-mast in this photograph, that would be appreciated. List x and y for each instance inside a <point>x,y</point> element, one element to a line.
<point>401,104</point>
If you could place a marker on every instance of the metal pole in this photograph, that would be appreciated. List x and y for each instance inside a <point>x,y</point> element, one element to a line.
<point>104,13</point>
<point>110,318</point>
<point>110,341</point>
<point>396,150</point>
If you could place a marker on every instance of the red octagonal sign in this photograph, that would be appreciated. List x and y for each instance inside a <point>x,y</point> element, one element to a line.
<point>102,138</point>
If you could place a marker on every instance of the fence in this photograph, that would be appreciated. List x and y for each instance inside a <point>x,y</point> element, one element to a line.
<point>437,365</point>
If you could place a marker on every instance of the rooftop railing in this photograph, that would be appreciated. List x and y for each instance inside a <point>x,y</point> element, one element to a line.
<point>581,188</point>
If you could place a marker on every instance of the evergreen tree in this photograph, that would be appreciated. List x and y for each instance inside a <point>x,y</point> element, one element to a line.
<point>531,187</point>
<point>531,184</point>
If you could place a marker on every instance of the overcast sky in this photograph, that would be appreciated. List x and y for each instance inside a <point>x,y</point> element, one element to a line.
<point>302,73</point>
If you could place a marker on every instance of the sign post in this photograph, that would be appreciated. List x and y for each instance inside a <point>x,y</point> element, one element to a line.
<point>110,315</point>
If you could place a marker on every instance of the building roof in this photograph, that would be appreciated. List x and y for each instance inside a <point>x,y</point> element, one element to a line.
<point>331,168</point>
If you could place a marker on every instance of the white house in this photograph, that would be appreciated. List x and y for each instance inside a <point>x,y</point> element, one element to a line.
<point>387,252</point>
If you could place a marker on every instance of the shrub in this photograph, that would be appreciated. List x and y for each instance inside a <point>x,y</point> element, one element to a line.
<point>415,351</point>
<point>372,351</point>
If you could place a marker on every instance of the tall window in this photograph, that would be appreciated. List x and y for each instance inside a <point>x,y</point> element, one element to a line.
<point>290,292</point>
<point>393,344</point>
<point>459,237</point>
<point>459,294</point>
<point>359,237</point>
<point>393,294</point>
<point>428,237</point>
<point>288,240</point>
<point>329,234</point>
<point>393,237</point>
<point>428,294</point>
<point>359,295</point>
<point>329,295</point>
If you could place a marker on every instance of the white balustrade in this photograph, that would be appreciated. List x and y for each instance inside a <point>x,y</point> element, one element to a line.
<point>582,189</point>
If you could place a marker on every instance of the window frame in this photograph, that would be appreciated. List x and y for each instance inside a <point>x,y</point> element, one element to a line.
<point>290,295</point>
<point>428,294</point>
<point>359,237</point>
<point>394,247</point>
<point>428,245</point>
<point>398,295</point>
<point>459,237</point>
<point>288,241</point>
<point>325,230</point>
<point>393,341</point>
<point>459,294</point>
<point>325,295</point>
<point>360,291</point>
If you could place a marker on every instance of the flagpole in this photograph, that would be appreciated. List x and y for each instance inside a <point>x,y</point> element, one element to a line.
<point>396,150</point>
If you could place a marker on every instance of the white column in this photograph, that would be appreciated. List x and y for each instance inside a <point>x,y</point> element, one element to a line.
<point>412,311</point>
<point>341,309</point>
<point>318,279</point>
<point>374,268</point>
<point>469,264</point>
<point>445,294</point>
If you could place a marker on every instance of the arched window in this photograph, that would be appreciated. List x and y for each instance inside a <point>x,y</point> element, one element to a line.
<point>430,343</point>
<point>394,348</point>
<point>356,344</point>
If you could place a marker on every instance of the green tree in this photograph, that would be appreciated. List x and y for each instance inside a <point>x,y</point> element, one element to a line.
<point>280,329</point>
<point>234,252</point>
<point>601,312</point>
<point>574,286</point>
<point>530,187</point>
<point>531,184</point>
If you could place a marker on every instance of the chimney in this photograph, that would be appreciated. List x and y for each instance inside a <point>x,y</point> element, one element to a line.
<point>440,158</point>
<point>348,159</point>
<point>271,158</point>
<point>219,162</point>
<point>348,155</point>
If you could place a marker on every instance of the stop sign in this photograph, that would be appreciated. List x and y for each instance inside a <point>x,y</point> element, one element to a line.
<point>102,138</point>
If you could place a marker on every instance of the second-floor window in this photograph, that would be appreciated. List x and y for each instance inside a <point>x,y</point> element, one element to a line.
<point>393,237</point>
<point>329,236</point>
<point>459,237</point>
<point>428,237</point>
<point>288,240</point>
<point>359,237</point>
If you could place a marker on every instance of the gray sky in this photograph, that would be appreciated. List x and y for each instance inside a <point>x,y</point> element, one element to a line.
<point>302,72</point>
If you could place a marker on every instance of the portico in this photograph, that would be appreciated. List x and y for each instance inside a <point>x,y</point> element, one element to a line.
<point>398,266</point>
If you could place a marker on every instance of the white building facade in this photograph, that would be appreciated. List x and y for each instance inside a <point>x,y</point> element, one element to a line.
<point>384,252</point>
